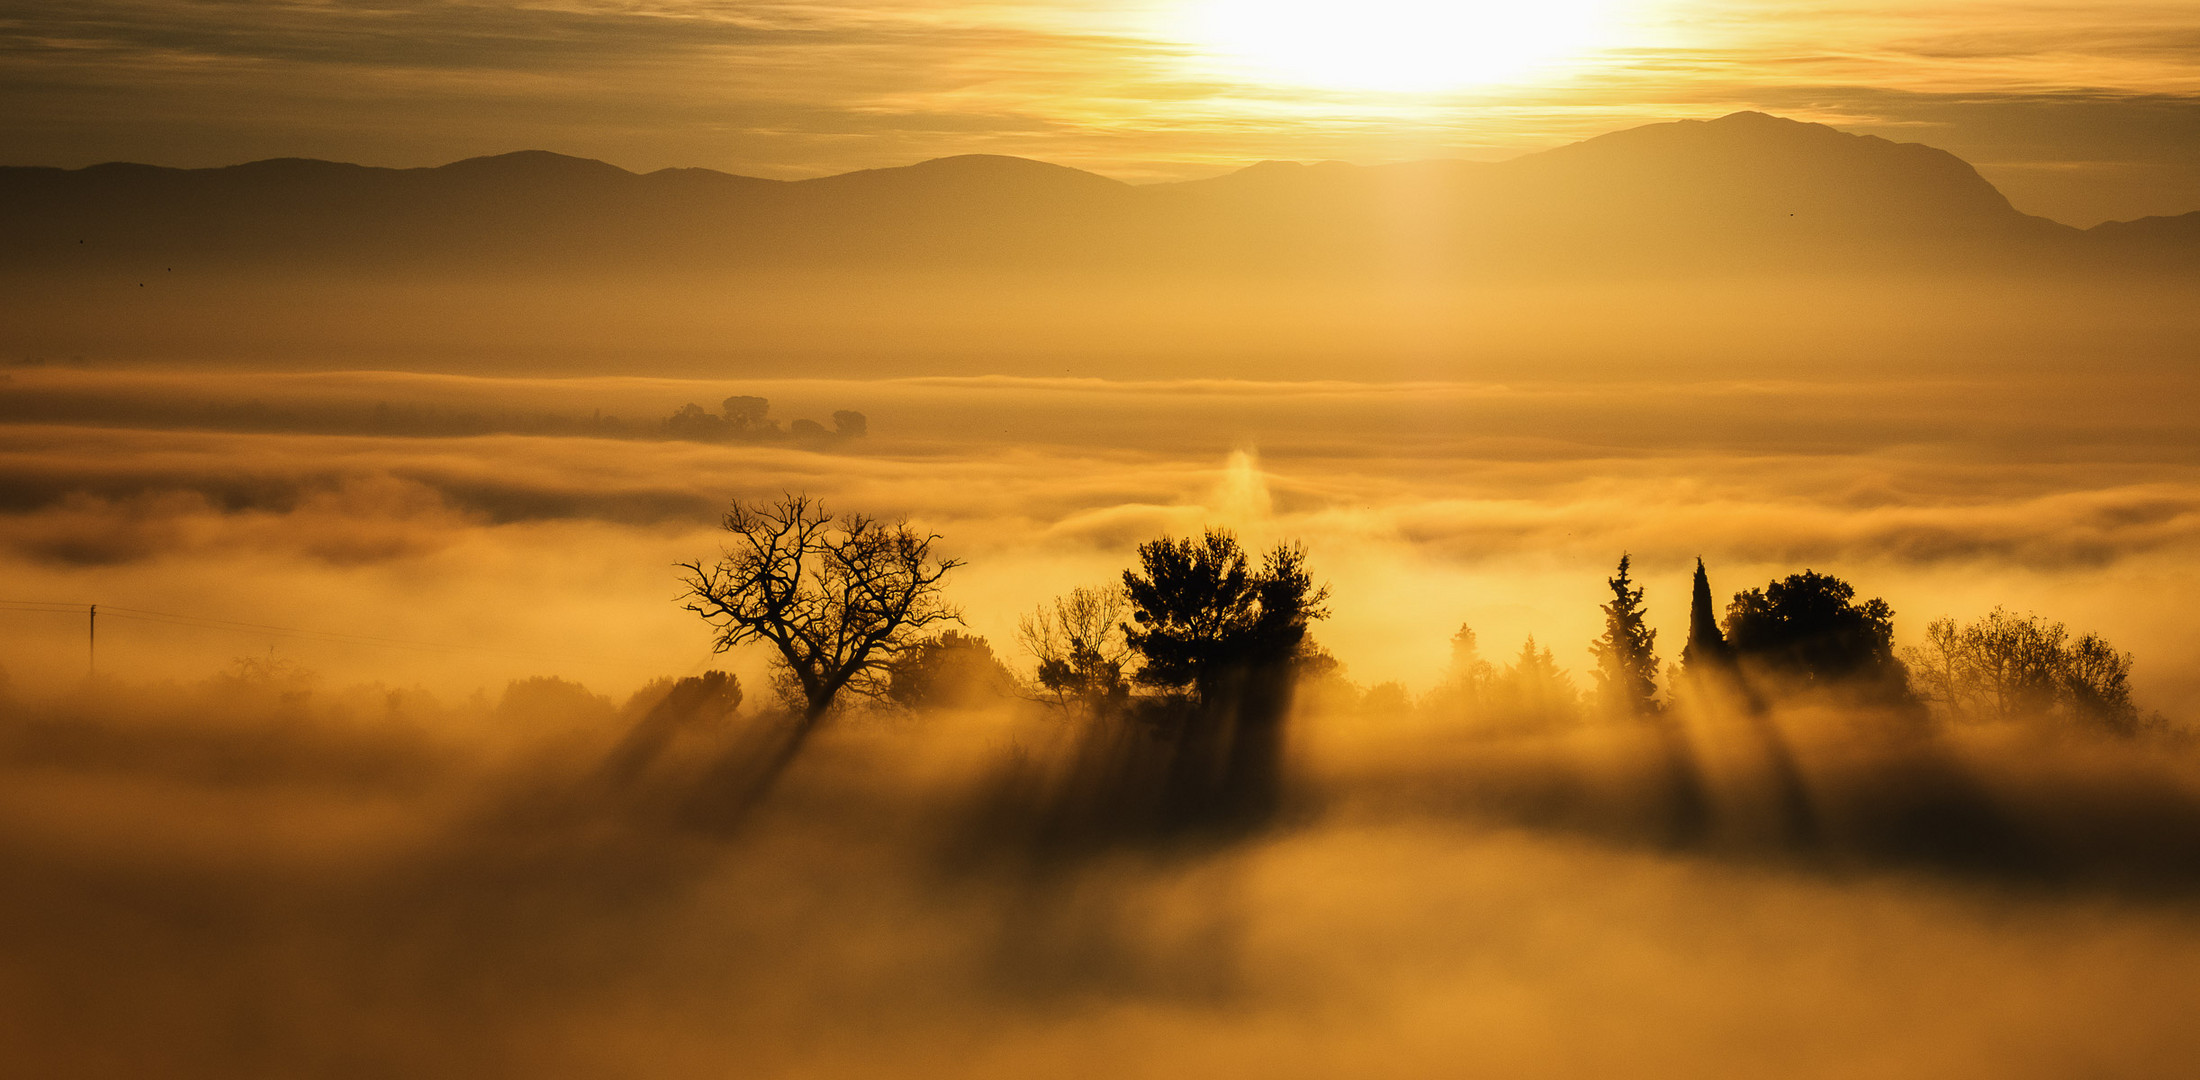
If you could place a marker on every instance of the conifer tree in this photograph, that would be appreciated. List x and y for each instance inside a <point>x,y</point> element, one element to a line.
<point>1204,617</point>
<point>1706,649</point>
<point>1533,690</point>
<point>1627,663</point>
<point>1467,681</point>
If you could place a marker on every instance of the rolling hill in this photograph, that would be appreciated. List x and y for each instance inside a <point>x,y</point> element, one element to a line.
<point>1747,192</point>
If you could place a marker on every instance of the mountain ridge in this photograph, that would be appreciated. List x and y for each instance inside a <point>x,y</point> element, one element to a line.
<point>1744,191</point>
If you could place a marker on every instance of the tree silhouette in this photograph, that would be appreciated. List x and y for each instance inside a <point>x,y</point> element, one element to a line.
<point>838,598</point>
<point>1203,618</point>
<point>747,416</point>
<point>1467,678</point>
<point>2006,667</point>
<point>1706,649</point>
<point>1080,646</point>
<point>1206,621</point>
<point>748,419</point>
<point>1809,627</point>
<point>953,669</point>
<point>1627,662</point>
<point>660,710</point>
<point>1533,691</point>
<point>695,423</point>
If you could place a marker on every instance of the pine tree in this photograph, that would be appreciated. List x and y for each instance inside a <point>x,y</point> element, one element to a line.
<point>1466,684</point>
<point>1532,691</point>
<point>1706,649</point>
<point>1627,663</point>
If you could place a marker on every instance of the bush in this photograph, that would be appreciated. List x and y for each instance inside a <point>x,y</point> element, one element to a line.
<point>953,670</point>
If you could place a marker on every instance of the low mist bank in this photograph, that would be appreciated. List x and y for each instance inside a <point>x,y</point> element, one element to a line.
<point>1167,325</point>
<point>1969,413</point>
<point>235,878</point>
<point>1425,505</point>
<point>433,820</point>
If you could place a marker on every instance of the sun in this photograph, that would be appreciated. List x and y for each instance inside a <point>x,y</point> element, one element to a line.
<point>1396,45</point>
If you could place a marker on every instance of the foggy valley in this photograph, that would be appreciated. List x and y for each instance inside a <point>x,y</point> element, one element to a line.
<point>395,745</point>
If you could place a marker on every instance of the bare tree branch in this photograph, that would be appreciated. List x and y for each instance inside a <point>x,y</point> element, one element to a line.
<point>837,599</point>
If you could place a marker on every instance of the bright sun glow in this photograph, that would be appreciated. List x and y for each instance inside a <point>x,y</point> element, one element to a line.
<point>1398,45</point>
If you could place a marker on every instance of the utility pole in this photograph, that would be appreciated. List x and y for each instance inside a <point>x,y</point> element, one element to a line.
<point>91,643</point>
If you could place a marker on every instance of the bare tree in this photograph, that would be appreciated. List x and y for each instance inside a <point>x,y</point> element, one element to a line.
<point>839,598</point>
<point>1079,644</point>
<point>2005,666</point>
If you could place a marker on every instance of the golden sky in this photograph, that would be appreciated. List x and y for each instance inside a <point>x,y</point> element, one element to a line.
<point>2081,111</point>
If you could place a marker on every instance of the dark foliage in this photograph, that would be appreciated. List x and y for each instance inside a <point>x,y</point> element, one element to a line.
<point>952,670</point>
<point>662,710</point>
<point>1706,649</point>
<point>1225,642</point>
<point>1079,644</point>
<point>1809,627</point>
<point>1627,662</point>
<point>748,419</point>
<point>2010,667</point>
<point>1203,617</point>
<point>747,415</point>
<point>549,700</point>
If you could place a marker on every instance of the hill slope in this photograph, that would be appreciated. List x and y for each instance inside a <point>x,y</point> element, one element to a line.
<point>1744,192</point>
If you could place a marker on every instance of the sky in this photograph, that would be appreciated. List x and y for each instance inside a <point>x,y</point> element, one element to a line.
<point>2079,111</point>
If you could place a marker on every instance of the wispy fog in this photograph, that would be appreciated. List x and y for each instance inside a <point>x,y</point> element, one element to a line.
<point>375,776</point>
<point>1426,505</point>
<point>251,875</point>
<point>1711,600</point>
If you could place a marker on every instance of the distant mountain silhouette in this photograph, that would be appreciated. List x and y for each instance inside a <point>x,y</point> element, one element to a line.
<point>973,175</point>
<point>2166,242</point>
<point>1745,192</point>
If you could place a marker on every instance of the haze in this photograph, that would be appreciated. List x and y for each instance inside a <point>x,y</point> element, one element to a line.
<point>2081,112</point>
<point>385,377</point>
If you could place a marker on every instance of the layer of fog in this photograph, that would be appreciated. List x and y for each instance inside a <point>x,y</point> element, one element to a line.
<point>255,875</point>
<point>351,857</point>
<point>1426,505</point>
<point>528,321</point>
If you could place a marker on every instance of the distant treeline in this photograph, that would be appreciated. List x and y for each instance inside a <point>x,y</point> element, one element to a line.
<point>1201,624</point>
<point>1185,675</point>
<point>748,419</point>
<point>1802,635</point>
<point>1808,634</point>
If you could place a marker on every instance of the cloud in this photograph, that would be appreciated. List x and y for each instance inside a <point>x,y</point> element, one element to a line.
<point>804,88</point>
<point>340,520</point>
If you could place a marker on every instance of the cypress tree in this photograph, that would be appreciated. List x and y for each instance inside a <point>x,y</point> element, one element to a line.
<point>1706,649</point>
